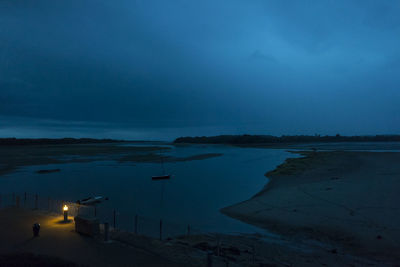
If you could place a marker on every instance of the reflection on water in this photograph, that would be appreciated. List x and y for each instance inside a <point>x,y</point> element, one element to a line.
<point>194,195</point>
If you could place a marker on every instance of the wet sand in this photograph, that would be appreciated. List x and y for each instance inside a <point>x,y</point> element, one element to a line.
<point>346,199</point>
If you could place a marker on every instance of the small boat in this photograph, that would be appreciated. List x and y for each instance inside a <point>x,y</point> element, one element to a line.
<point>48,171</point>
<point>92,200</point>
<point>162,177</point>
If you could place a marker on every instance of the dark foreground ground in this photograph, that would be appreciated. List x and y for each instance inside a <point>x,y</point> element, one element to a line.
<point>59,245</point>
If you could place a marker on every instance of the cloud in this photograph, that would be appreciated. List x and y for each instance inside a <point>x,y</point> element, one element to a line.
<point>257,55</point>
<point>201,64</point>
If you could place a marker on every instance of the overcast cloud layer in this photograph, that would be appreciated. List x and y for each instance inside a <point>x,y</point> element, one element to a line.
<point>170,68</point>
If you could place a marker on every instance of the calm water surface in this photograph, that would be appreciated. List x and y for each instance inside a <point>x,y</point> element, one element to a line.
<point>193,196</point>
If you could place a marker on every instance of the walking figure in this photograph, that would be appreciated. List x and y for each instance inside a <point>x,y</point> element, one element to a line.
<point>36,229</point>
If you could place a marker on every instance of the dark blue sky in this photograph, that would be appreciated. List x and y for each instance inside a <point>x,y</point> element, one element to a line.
<point>161,69</point>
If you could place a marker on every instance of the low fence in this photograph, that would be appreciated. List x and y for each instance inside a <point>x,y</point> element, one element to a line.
<point>129,222</point>
<point>216,255</point>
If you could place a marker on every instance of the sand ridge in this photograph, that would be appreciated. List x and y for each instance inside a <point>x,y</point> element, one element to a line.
<point>342,197</point>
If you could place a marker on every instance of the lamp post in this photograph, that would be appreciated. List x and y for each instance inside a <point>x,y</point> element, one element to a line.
<point>65,213</point>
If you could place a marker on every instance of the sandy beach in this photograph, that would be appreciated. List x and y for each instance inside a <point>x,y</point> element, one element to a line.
<point>346,199</point>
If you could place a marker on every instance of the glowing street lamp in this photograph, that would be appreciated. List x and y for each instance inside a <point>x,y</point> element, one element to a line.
<point>65,213</point>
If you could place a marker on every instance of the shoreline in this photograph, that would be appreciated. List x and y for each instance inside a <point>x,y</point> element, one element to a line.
<point>14,157</point>
<point>336,197</point>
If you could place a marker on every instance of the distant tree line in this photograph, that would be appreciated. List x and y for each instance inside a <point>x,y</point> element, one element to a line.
<point>49,141</point>
<point>269,139</point>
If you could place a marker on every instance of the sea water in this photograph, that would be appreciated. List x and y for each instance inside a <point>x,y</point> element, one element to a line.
<point>193,196</point>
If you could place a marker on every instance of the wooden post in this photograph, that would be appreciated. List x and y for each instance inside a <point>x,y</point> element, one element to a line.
<point>136,223</point>
<point>160,229</point>
<point>209,259</point>
<point>36,202</point>
<point>218,245</point>
<point>254,254</point>
<point>114,219</point>
<point>17,201</point>
<point>106,230</point>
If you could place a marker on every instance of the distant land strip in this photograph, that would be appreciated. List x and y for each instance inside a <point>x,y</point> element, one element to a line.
<point>59,141</point>
<point>284,139</point>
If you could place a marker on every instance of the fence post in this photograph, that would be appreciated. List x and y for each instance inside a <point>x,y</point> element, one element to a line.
<point>254,254</point>
<point>218,245</point>
<point>114,219</point>
<point>136,223</point>
<point>160,229</point>
<point>106,229</point>
<point>17,201</point>
<point>209,259</point>
<point>36,202</point>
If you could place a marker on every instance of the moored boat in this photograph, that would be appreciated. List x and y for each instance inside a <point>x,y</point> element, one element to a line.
<point>161,177</point>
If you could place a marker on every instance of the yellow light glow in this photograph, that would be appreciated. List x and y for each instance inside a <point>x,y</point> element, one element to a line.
<point>65,208</point>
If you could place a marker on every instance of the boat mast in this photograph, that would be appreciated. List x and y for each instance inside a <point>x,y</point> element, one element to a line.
<point>162,165</point>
